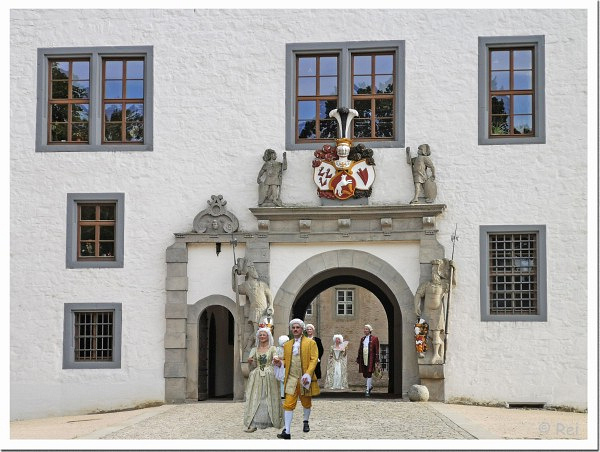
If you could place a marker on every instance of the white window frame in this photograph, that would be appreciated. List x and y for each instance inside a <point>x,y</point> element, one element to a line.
<point>345,302</point>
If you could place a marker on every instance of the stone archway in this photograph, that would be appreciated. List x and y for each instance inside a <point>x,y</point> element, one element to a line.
<point>372,273</point>
<point>194,316</point>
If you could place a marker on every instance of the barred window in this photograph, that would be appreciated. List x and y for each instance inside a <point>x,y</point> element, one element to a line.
<point>513,273</point>
<point>94,336</point>
<point>384,356</point>
<point>345,301</point>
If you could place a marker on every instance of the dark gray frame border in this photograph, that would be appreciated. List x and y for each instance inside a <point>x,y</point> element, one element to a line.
<point>484,273</point>
<point>68,336</point>
<point>95,119</point>
<point>486,42</point>
<point>71,251</point>
<point>344,49</point>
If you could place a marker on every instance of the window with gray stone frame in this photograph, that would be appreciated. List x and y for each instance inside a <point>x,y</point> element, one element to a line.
<point>513,273</point>
<point>344,306</point>
<point>92,336</point>
<point>95,230</point>
<point>367,76</point>
<point>94,99</point>
<point>511,90</point>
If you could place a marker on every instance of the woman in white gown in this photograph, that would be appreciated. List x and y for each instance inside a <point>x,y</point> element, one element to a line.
<point>263,403</point>
<point>337,365</point>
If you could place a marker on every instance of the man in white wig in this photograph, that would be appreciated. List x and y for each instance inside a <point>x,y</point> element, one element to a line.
<point>300,356</point>
<point>368,357</point>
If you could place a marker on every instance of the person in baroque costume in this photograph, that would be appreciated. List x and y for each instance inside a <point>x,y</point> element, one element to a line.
<point>337,365</point>
<point>300,356</point>
<point>310,333</point>
<point>368,357</point>
<point>263,403</point>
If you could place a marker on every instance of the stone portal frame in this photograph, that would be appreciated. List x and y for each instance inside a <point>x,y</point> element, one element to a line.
<point>373,271</point>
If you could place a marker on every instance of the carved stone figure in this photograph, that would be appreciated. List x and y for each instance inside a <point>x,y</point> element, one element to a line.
<point>424,181</point>
<point>269,188</point>
<point>259,298</point>
<point>431,294</point>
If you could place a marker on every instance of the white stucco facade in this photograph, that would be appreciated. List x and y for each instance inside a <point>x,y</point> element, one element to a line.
<point>219,102</point>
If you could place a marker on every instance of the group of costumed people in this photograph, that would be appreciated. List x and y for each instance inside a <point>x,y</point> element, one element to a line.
<point>291,370</point>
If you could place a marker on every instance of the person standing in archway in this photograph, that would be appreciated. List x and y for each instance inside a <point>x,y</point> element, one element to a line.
<point>310,333</point>
<point>368,357</point>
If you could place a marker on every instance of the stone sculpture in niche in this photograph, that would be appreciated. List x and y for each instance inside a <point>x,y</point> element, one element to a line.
<point>431,295</point>
<point>259,296</point>
<point>344,171</point>
<point>216,219</point>
<point>424,180</point>
<point>269,187</point>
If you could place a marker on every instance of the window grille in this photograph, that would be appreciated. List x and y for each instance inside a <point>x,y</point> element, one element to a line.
<point>384,356</point>
<point>94,336</point>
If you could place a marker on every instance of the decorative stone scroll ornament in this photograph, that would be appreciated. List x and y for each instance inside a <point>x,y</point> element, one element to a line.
<point>216,219</point>
<point>431,295</point>
<point>344,171</point>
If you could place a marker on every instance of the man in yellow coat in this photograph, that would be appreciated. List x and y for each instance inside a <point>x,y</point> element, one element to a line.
<point>300,357</point>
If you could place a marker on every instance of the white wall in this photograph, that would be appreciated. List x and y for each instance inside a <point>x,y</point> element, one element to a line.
<point>208,64</point>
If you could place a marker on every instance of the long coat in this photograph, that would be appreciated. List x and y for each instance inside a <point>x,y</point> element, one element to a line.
<point>321,350</point>
<point>309,355</point>
<point>373,355</point>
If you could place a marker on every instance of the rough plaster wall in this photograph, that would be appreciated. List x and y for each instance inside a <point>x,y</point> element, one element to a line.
<point>219,80</point>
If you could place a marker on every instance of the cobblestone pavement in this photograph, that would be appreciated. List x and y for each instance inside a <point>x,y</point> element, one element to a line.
<point>330,419</point>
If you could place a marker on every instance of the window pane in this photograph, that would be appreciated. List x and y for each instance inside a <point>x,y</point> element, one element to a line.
<point>523,124</point>
<point>134,112</point>
<point>325,106</point>
<point>113,112</point>
<point>81,90</point>
<point>307,109</point>
<point>523,104</point>
<point>60,70</point>
<point>328,128</point>
<point>112,132</point>
<point>87,249</point>
<point>363,107</point>
<point>58,132</point>
<point>134,131</point>
<point>113,70</point>
<point>79,131</point>
<point>362,85</point>
<point>327,86</point>
<point>349,309</point>
<point>500,59</point>
<point>107,249</point>
<point>522,80</point>
<point>384,64</point>
<point>135,69</point>
<point>113,89</point>
<point>80,112</point>
<point>328,66</point>
<point>59,113</point>
<point>522,59</point>
<point>500,125</point>
<point>88,232</point>
<point>87,213</point>
<point>307,86</point>
<point>134,89</point>
<point>362,128</point>
<point>60,90</point>
<point>500,80</point>
<point>81,70</point>
<point>107,213</point>
<point>384,84</point>
<point>307,129</point>
<point>500,105</point>
<point>384,128</point>
<point>384,107</point>
<point>307,66</point>
<point>362,64</point>
<point>107,232</point>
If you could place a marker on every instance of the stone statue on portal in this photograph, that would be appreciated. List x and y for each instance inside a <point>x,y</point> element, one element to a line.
<point>424,180</point>
<point>269,187</point>
<point>430,295</point>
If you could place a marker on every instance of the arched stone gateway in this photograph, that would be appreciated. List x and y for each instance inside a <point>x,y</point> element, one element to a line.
<point>363,269</point>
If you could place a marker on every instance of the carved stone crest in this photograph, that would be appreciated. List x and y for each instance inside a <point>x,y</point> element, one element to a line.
<point>215,219</point>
